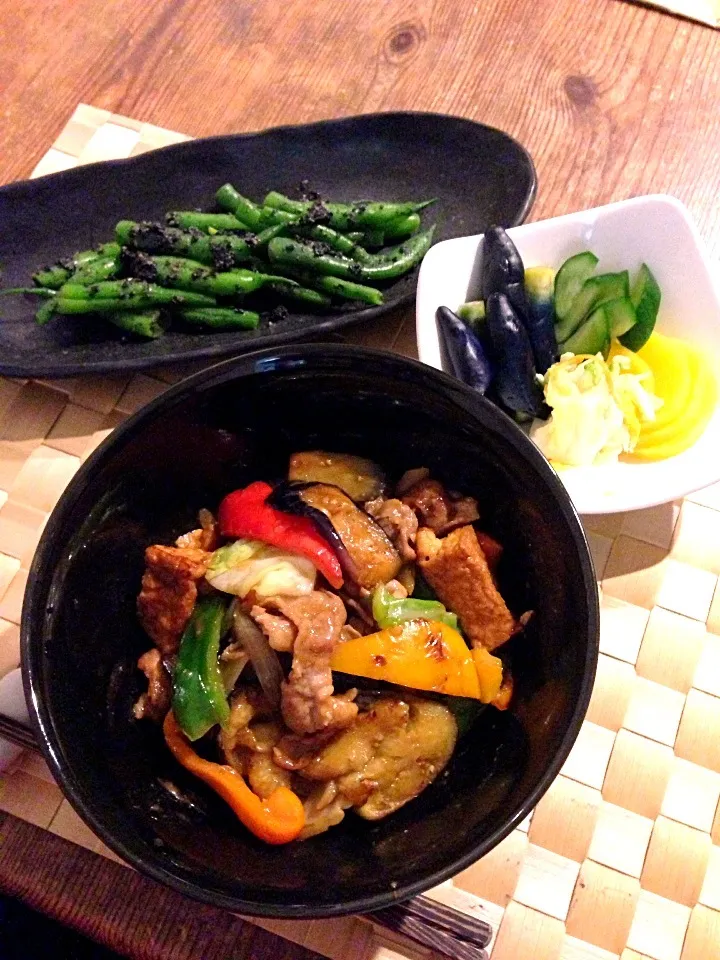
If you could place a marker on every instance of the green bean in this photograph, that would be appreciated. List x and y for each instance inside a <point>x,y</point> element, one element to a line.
<point>54,276</point>
<point>348,216</point>
<point>265,218</point>
<point>299,226</point>
<point>143,323</point>
<point>335,240</point>
<point>269,233</point>
<point>222,318</point>
<point>336,286</point>
<point>228,198</point>
<point>392,264</point>
<point>222,252</point>
<point>102,268</point>
<point>30,291</point>
<point>374,238</point>
<point>59,273</point>
<point>188,275</point>
<point>124,295</point>
<point>395,261</point>
<point>46,312</point>
<point>402,227</point>
<point>347,290</point>
<point>290,290</point>
<point>191,219</point>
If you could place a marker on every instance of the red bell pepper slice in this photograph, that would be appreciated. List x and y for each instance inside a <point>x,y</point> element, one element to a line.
<point>244,513</point>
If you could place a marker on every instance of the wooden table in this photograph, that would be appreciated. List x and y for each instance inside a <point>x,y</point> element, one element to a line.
<point>611,99</point>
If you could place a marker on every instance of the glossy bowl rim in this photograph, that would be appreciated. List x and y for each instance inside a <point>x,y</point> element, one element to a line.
<point>237,368</point>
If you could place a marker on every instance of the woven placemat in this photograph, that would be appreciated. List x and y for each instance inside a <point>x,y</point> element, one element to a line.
<point>621,859</point>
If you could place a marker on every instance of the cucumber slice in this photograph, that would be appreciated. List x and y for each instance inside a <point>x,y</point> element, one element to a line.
<point>595,290</point>
<point>620,315</point>
<point>570,278</point>
<point>592,337</point>
<point>645,296</point>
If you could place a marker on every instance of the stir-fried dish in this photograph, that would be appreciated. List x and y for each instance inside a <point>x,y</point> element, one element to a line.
<point>264,619</point>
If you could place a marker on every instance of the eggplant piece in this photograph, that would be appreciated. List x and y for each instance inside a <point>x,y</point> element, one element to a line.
<point>375,558</point>
<point>516,381</point>
<point>503,272</point>
<point>539,287</point>
<point>465,351</point>
<point>540,328</point>
<point>287,496</point>
<point>501,263</point>
<point>359,478</point>
<point>365,553</point>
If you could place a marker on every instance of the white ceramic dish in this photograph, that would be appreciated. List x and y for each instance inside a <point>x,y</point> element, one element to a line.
<point>655,229</point>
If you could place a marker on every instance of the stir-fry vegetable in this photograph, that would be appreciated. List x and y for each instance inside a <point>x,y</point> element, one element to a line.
<point>390,611</point>
<point>246,513</point>
<point>246,565</point>
<point>199,700</point>
<point>424,655</point>
<point>269,680</point>
<point>263,658</point>
<point>358,477</point>
<point>277,819</point>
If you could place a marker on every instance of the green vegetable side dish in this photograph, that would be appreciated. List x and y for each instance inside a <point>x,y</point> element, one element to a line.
<point>199,701</point>
<point>223,270</point>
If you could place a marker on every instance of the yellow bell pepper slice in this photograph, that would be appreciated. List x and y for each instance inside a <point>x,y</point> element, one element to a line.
<point>490,673</point>
<point>423,655</point>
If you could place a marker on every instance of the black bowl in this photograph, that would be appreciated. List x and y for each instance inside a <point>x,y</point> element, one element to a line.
<point>216,431</point>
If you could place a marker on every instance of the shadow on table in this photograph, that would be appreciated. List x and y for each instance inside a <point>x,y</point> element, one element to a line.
<point>27,935</point>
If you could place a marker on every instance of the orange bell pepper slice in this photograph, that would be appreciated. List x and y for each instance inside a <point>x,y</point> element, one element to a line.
<point>278,819</point>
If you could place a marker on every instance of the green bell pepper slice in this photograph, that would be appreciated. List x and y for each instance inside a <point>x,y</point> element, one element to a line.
<point>199,700</point>
<point>388,611</point>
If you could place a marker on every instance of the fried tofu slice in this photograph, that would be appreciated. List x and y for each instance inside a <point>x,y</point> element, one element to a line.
<point>456,569</point>
<point>169,591</point>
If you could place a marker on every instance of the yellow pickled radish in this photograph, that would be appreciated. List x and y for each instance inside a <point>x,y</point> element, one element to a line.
<point>663,428</point>
<point>673,439</point>
<point>670,363</point>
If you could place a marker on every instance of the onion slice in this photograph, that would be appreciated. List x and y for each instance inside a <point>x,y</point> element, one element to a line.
<point>262,656</point>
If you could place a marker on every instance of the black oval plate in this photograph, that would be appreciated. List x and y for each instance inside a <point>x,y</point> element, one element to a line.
<point>479,176</point>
